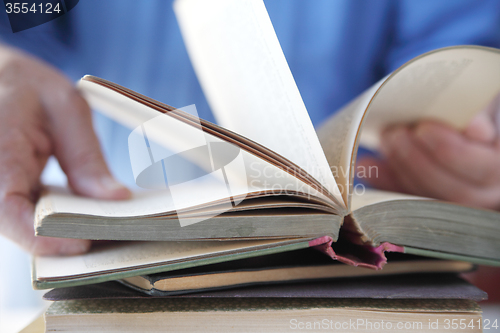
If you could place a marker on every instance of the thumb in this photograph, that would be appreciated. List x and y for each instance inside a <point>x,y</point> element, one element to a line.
<point>483,127</point>
<point>78,151</point>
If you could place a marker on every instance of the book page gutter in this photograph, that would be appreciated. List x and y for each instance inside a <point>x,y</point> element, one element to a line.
<point>128,255</point>
<point>247,81</point>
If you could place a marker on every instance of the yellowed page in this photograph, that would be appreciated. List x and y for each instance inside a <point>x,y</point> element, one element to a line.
<point>338,138</point>
<point>141,204</point>
<point>154,203</point>
<point>127,255</point>
<point>247,81</point>
<point>169,136</point>
<point>449,85</point>
<point>372,196</point>
<point>198,193</point>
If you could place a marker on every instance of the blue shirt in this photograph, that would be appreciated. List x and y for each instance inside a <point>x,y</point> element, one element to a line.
<point>335,48</point>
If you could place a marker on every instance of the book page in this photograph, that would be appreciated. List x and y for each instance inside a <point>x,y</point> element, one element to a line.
<point>247,81</point>
<point>160,145</point>
<point>449,85</point>
<point>160,203</point>
<point>338,137</point>
<point>144,203</point>
<point>124,255</point>
<point>372,196</point>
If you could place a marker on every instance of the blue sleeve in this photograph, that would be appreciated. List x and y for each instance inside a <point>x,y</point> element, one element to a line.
<point>424,25</point>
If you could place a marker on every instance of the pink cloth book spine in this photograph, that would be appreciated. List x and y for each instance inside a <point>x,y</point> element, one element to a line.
<point>364,256</point>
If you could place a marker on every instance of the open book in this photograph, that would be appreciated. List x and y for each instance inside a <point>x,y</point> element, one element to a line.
<point>265,173</point>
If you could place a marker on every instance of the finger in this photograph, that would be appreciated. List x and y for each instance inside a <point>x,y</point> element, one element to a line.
<point>377,174</point>
<point>18,191</point>
<point>78,150</point>
<point>17,157</point>
<point>481,128</point>
<point>17,224</point>
<point>420,175</point>
<point>469,160</point>
<point>484,127</point>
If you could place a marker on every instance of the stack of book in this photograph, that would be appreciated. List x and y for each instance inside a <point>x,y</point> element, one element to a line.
<point>273,203</point>
<point>375,305</point>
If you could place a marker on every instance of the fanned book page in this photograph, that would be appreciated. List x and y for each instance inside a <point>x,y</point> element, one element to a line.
<point>247,81</point>
<point>242,189</point>
<point>338,136</point>
<point>449,85</point>
<point>171,132</point>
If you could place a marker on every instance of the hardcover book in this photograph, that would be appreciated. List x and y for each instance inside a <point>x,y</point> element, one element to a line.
<point>183,267</point>
<point>409,286</point>
<point>284,307</point>
<point>260,315</point>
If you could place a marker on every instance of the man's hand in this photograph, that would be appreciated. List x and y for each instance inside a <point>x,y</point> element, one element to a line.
<point>41,113</point>
<point>435,160</point>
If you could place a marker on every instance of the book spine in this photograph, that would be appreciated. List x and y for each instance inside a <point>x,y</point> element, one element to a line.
<point>359,255</point>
